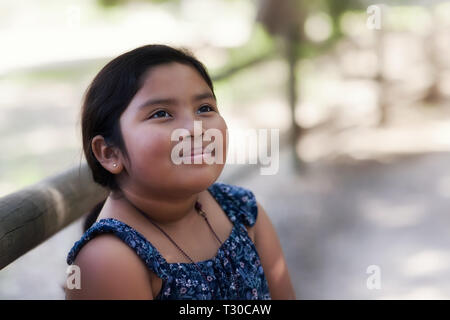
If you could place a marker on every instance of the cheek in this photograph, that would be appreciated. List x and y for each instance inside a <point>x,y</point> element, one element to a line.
<point>221,125</point>
<point>149,149</point>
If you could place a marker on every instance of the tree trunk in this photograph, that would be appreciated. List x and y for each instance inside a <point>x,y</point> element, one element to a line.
<point>292,94</point>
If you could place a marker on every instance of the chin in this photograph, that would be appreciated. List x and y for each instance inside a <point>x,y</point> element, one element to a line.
<point>197,179</point>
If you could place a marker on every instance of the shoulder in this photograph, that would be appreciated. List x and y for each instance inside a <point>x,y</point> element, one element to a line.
<point>239,202</point>
<point>109,269</point>
<point>272,257</point>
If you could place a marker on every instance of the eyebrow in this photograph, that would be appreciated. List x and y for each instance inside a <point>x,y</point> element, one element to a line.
<point>171,101</point>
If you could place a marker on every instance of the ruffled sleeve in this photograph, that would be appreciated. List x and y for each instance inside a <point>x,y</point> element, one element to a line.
<point>136,241</point>
<point>239,203</point>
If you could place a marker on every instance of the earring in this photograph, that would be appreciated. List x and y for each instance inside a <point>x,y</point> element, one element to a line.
<point>115,165</point>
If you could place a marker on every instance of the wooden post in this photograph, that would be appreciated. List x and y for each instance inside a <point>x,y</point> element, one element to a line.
<point>30,216</point>
<point>292,94</point>
<point>381,80</point>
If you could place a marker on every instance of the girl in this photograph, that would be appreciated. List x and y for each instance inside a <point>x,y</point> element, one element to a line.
<point>166,230</point>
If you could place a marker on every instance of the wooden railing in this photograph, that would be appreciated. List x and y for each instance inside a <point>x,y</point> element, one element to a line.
<point>30,216</point>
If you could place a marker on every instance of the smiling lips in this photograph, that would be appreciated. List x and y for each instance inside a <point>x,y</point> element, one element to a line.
<point>197,152</point>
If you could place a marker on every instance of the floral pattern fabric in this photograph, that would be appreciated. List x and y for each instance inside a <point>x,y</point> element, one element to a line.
<point>234,273</point>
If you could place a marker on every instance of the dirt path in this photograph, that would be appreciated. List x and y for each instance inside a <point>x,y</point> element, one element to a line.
<point>334,221</point>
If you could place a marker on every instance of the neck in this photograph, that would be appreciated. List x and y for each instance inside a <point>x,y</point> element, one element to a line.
<point>166,212</point>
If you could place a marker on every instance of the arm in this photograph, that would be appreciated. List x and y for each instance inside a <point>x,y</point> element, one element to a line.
<point>272,259</point>
<point>110,270</point>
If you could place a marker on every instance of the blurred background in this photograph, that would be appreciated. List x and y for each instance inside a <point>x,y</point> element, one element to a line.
<point>359,90</point>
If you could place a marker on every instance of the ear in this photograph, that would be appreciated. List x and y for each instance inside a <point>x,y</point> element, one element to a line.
<point>109,157</point>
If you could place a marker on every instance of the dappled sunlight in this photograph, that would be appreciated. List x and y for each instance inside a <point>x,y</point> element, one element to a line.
<point>383,213</point>
<point>318,27</point>
<point>426,263</point>
<point>310,114</point>
<point>40,141</point>
<point>445,84</point>
<point>376,143</point>
<point>231,28</point>
<point>358,63</point>
<point>353,24</point>
<point>57,200</point>
<point>443,186</point>
<point>270,113</point>
<point>417,293</point>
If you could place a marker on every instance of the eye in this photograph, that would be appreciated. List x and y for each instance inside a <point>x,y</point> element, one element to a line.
<point>205,107</point>
<point>160,114</point>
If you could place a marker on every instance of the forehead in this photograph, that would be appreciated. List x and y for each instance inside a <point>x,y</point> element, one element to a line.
<point>172,78</point>
<point>171,81</point>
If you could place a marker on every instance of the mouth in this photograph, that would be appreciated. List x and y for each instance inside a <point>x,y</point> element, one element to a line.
<point>197,153</point>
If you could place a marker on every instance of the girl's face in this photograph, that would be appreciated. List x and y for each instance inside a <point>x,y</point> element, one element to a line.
<point>173,96</point>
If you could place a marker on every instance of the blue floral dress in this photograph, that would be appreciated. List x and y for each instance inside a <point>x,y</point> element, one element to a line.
<point>234,273</point>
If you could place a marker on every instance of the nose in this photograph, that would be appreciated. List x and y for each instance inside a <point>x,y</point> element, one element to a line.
<point>194,132</point>
<point>191,124</point>
<point>193,139</point>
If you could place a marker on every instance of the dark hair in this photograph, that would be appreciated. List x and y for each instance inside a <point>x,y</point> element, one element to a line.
<point>108,96</point>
